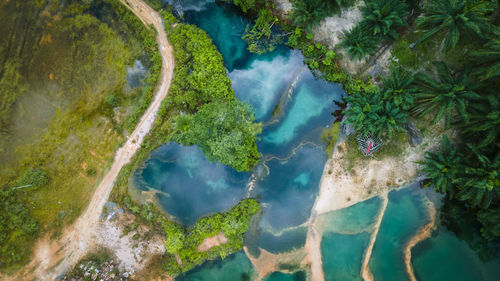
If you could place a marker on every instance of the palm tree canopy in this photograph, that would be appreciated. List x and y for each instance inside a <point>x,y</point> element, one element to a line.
<point>385,16</point>
<point>488,59</point>
<point>446,95</point>
<point>456,18</point>
<point>371,115</point>
<point>484,121</point>
<point>442,168</point>
<point>358,42</point>
<point>399,89</point>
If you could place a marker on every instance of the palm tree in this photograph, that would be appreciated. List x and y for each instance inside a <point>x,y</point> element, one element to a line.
<point>442,168</point>
<point>371,115</point>
<point>445,95</point>
<point>489,219</point>
<point>308,13</point>
<point>358,42</point>
<point>480,178</point>
<point>488,59</point>
<point>398,88</point>
<point>484,121</point>
<point>384,17</point>
<point>457,19</point>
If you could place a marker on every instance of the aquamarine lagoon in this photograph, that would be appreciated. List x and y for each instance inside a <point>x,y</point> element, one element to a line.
<point>294,105</point>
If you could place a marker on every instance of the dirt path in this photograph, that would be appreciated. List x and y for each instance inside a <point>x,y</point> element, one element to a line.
<point>52,258</point>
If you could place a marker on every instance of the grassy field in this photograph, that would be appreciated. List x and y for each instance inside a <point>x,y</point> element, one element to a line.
<point>64,105</point>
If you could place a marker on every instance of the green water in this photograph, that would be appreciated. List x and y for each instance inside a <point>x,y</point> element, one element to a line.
<point>236,267</point>
<point>351,220</point>
<point>405,214</point>
<point>346,233</point>
<point>278,276</point>
<point>342,255</point>
<point>445,258</point>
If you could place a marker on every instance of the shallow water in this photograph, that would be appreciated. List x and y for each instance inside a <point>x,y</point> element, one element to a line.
<point>405,214</point>
<point>342,255</point>
<point>352,220</point>
<point>278,276</point>
<point>190,185</point>
<point>236,267</point>
<point>444,257</point>
<point>135,74</point>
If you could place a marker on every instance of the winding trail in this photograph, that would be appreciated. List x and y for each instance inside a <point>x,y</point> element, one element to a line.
<point>52,258</point>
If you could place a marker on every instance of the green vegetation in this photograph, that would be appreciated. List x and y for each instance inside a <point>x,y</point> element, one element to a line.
<point>448,95</point>
<point>260,37</point>
<point>182,242</point>
<point>185,242</point>
<point>320,58</point>
<point>381,19</point>
<point>330,135</point>
<point>372,115</point>
<point>359,43</point>
<point>225,132</point>
<point>17,227</point>
<point>64,110</point>
<point>455,20</point>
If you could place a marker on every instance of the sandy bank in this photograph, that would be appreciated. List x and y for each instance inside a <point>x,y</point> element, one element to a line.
<point>267,262</point>
<point>213,241</point>
<point>422,234</point>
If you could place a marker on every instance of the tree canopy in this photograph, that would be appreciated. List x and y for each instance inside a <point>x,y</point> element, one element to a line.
<point>456,19</point>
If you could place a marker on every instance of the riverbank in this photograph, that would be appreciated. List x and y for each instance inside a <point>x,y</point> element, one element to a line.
<point>53,257</point>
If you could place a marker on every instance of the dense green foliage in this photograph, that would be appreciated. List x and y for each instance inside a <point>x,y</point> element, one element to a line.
<point>381,19</point>
<point>185,242</point>
<point>225,132</point>
<point>16,227</point>
<point>260,37</point>
<point>450,94</point>
<point>224,128</point>
<point>455,20</point>
<point>466,174</point>
<point>371,114</point>
<point>320,58</point>
<point>488,58</point>
<point>358,42</point>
